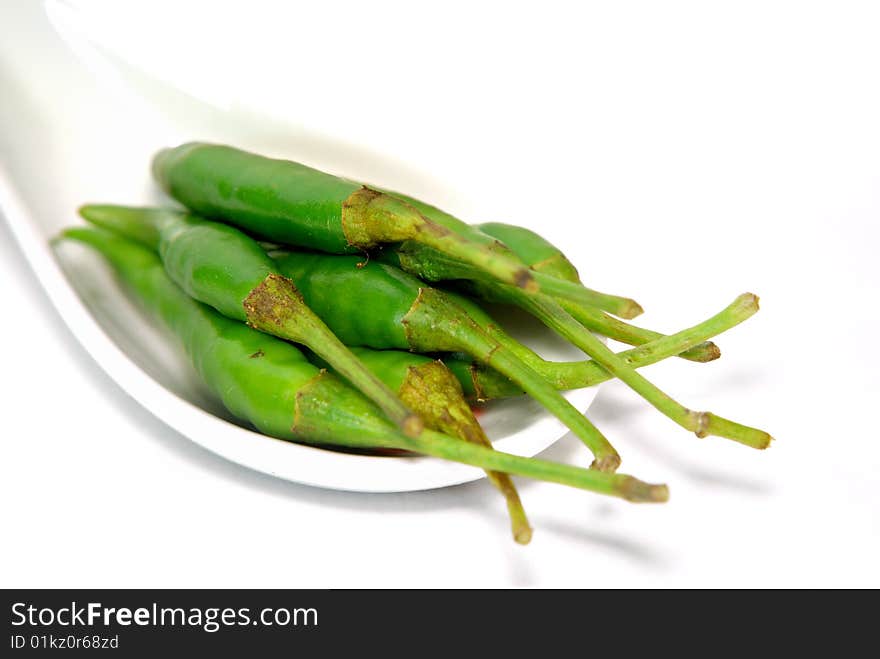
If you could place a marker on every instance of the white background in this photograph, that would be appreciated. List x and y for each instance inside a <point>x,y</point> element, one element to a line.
<point>681,153</point>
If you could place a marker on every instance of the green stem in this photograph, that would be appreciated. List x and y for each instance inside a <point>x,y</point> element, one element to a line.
<point>437,321</point>
<point>504,361</point>
<point>606,325</point>
<point>623,307</point>
<point>702,424</point>
<point>606,457</point>
<point>432,265</point>
<point>519,523</point>
<point>615,485</point>
<point>575,375</point>
<point>276,307</point>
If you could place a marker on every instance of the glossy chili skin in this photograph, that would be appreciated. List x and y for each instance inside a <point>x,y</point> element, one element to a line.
<point>364,303</point>
<point>214,263</point>
<point>256,376</point>
<point>260,194</point>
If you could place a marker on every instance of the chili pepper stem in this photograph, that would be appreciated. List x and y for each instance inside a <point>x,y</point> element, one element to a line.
<point>371,217</point>
<point>529,246</point>
<point>616,485</point>
<point>702,424</point>
<point>435,394</point>
<point>436,266</point>
<point>742,308</point>
<point>622,307</point>
<point>276,307</point>
<point>488,385</point>
<point>434,312</point>
<point>606,457</point>
<point>597,321</point>
<point>519,523</point>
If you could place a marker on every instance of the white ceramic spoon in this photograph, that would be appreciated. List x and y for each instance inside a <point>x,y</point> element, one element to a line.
<point>83,108</point>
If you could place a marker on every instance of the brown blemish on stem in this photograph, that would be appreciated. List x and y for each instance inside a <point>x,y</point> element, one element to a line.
<point>636,491</point>
<point>608,463</point>
<point>479,392</point>
<point>523,279</point>
<point>700,423</point>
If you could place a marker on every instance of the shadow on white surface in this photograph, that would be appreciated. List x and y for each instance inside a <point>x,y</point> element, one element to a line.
<point>611,406</point>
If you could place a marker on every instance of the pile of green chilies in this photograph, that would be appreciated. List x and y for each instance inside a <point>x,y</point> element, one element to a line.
<point>360,325</point>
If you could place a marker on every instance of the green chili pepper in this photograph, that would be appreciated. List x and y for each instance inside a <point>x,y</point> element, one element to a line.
<point>542,256</point>
<point>222,267</point>
<point>270,384</point>
<point>289,203</point>
<point>376,305</point>
<point>434,393</point>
